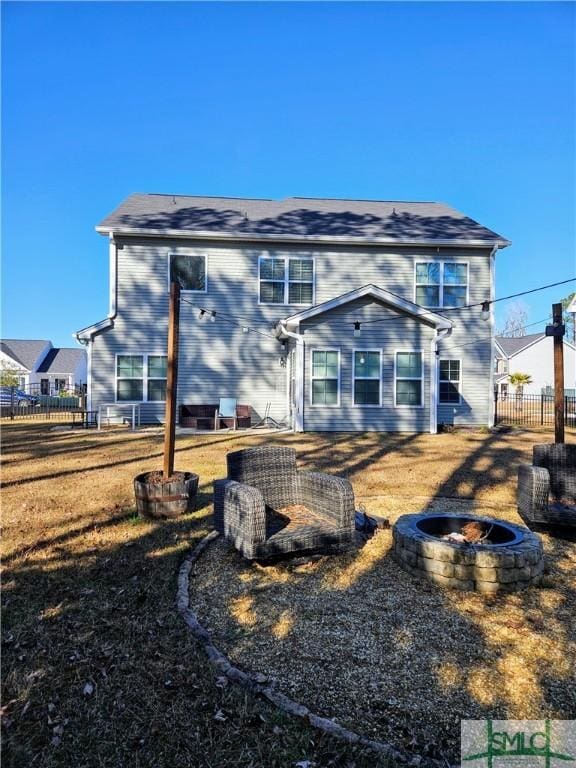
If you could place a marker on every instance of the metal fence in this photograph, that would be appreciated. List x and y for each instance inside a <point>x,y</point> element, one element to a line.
<point>532,410</point>
<point>34,402</point>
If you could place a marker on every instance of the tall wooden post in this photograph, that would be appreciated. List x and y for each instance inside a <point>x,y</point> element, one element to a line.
<point>558,374</point>
<point>171,379</point>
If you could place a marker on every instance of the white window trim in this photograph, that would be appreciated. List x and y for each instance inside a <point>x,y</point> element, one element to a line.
<point>144,378</point>
<point>409,378</point>
<point>366,378</point>
<point>441,286</point>
<point>287,281</point>
<point>314,378</point>
<point>179,252</point>
<point>454,360</point>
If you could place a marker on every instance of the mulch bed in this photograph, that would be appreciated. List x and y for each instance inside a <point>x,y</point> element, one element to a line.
<point>357,639</point>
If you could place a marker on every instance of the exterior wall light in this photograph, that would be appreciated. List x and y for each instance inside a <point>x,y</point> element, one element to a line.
<point>213,317</point>
<point>485,310</point>
<point>356,328</point>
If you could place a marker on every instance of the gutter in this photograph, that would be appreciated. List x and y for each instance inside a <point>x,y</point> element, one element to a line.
<point>282,237</point>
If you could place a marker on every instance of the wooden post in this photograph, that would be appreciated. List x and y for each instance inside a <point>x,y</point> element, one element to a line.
<point>171,379</point>
<point>558,375</point>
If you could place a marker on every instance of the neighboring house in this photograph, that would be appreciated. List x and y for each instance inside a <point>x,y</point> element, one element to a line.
<point>328,314</point>
<point>534,355</point>
<point>42,368</point>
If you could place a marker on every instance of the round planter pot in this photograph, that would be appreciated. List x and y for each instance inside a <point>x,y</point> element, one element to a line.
<point>160,499</point>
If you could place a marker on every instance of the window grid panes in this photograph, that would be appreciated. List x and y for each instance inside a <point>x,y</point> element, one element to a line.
<point>157,371</point>
<point>141,378</point>
<point>449,379</point>
<point>189,271</point>
<point>441,284</point>
<point>366,377</point>
<point>286,281</point>
<point>409,378</point>
<point>325,376</point>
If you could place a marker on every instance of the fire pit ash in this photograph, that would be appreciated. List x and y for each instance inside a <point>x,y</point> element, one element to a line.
<point>468,552</point>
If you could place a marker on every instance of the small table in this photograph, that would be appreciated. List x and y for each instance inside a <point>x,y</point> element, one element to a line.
<point>135,412</point>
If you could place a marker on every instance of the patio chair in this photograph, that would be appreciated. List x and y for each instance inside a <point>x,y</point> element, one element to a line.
<point>226,413</point>
<point>547,487</point>
<point>266,507</point>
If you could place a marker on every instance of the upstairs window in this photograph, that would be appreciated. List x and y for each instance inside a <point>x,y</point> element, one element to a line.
<point>286,281</point>
<point>441,284</point>
<point>409,378</point>
<point>189,271</point>
<point>367,376</point>
<point>325,377</point>
<point>449,379</point>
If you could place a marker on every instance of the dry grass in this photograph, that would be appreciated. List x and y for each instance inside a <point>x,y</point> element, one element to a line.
<point>98,670</point>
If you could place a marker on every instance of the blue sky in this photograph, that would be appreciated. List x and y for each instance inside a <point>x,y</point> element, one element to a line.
<point>472,104</point>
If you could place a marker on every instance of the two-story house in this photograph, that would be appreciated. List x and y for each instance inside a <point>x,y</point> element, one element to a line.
<point>324,314</point>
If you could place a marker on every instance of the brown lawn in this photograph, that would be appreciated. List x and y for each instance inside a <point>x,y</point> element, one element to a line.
<point>98,669</point>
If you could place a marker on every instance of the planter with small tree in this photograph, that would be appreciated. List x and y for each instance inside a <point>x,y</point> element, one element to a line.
<point>168,493</point>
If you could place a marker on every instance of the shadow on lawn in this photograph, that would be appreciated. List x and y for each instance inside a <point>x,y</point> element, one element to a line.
<point>390,655</point>
<point>103,615</point>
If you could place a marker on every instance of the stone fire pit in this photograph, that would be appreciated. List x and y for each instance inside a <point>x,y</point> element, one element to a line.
<point>504,558</point>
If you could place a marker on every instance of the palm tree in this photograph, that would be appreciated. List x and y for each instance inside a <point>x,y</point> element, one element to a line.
<point>519,380</point>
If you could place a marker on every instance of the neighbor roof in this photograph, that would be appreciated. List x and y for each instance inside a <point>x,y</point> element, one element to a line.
<point>23,351</point>
<point>298,218</point>
<point>511,346</point>
<point>61,360</point>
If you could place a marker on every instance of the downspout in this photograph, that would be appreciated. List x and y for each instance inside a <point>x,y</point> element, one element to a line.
<point>112,311</point>
<point>298,415</point>
<point>492,336</point>
<point>438,335</point>
<point>113,256</point>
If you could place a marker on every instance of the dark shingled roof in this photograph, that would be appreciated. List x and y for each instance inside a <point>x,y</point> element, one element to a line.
<point>23,351</point>
<point>510,346</point>
<point>61,360</point>
<point>299,216</point>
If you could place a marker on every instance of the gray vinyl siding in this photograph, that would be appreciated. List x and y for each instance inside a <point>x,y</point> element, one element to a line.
<point>218,360</point>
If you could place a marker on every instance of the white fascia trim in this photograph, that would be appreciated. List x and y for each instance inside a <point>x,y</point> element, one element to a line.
<point>386,297</point>
<point>499,348</point>
<point>86,334</point>
<point>251,237</point>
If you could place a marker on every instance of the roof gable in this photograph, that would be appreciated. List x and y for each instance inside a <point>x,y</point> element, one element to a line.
<point>25,352</point>
<point>299,218</point>
<point>61,360</point>
<point>374,292</point>
<point>511,345</point>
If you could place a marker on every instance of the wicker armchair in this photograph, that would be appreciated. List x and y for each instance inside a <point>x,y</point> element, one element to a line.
<point>547,487</point>
<point>252,505</point>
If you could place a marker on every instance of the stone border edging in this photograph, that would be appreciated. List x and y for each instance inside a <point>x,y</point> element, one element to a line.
<point>256,683</point>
